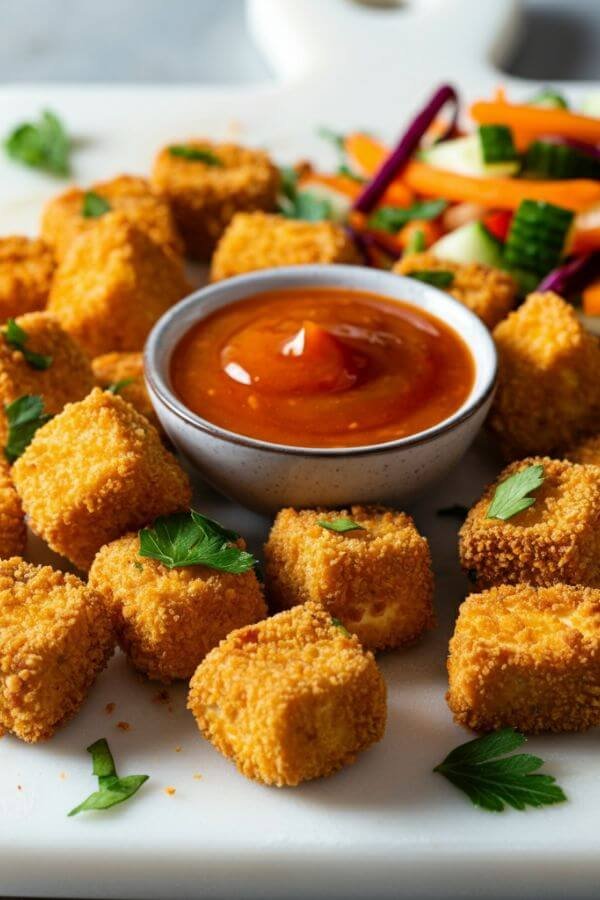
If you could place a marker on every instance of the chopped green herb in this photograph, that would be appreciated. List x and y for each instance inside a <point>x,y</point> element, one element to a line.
<point>491,782</point>
<point>393,218</point>
<point>511,497</point>
<point>334,138</point>
<point>340,625</point>
<point>138,565</point>
<point>190,539</point>
<point>195,154</point>
<point>41,145</point>
<point>94,205</point>
<point>111,788</point>
<point>416,242</point>
<point>348,173</point>
<point>16,337</point>
<point>117,386</point>
<point>340,526</point>
<point>24,416</point>
<point>456,511</point>
<point>297,204</point>
<point>437,278</point>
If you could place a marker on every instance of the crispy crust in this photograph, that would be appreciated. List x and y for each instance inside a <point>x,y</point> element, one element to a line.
<point>204,198</point>
<point>63,221</point>
<point>549,379</point>
<point>289,699</point>
<point>259,241</point>
<point>26,271</point>
<point>378,582</point>
<point>113,285</point>
<point>95,471</point>
<point>488,292</point>
<point>555,540</point>
<point>528,658</point>
<point>586,452</point>
<point>55,638</point>
<point>111,368</point>
<point>13,534</point>
<point>169,619</point>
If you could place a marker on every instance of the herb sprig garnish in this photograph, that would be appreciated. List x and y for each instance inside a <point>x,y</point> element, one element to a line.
<point>24,416</point>
<point>435,277</point>
<point>393,218</point>
<point>41,145</point>
<point>117,386</point>
<point>511,497</point>
<point>94,205</point>
<point>338,142</point>
<point>111,788</point>
<point>195,154</point>
<point>341,525</point>
<point>16,337</point>
<point>337,623</point>
<point>297,204</point>
<point>191,539</point>
<point>493,780</point>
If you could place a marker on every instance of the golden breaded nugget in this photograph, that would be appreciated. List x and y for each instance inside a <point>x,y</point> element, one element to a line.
<point>26,270</point>
<point>112,368</point>
<point>113,285</point>
<point>586,452</point>
<point>377,581</point>
<point>289,699</point>
<point>55,638</point>
<point>13,534</point>
<point>527,658</point>
<point>258,241</point>
<point>555,540</point>
<point>488,292</point>
<point>205,193</point>
<point>68,378</point>
<point>63,217</point>
<point>95,471</point>
<point>169,619</point>
<point>549,379</point>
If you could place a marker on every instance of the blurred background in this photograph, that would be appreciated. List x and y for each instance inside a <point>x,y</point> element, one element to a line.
<point>208,41</point>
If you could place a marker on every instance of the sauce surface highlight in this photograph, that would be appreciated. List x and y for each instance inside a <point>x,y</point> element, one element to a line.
<point>322,367</point>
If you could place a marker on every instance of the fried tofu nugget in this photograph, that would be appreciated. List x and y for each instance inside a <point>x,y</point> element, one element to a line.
<point>26,271</point>
<point>549,379</point>
<point>113,285</point>
<point>555,540</point>
<point>376,580</point>
<point>259,241</point>
<point>488,292</point>
<point>67,378</point>
<point>527,658</point>
<point>126,370</point>
<point>169,619</point>
<point>55,638</point>
<point>586,452</point>
<point>207,183</point>
<point>64,218</point>
<point>290,699</point>
<point>13,534</point>
<point>95,471</point>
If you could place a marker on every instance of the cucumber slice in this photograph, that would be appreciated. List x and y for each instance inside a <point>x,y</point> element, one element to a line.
<point>591,105</point>
<point>548,98</point>
<point>471,243</point>
<point>465,157</point>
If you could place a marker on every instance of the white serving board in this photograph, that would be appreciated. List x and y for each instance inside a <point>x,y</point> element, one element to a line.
<point>387,826</point>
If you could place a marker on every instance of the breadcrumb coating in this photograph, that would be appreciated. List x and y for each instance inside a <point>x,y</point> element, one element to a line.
<point>110,368</point>
<point>13,534</point>
<point>26,271</point>
<point>290,699</point>
<point>555,540</point>
<point>259,241</point>
<point>63,219</point>
<point>113,285</point>
<point>586,452</point>
<point>549,379</point>
<point>377,581</point>
<point>68,378</point>
<point>527,658</point>
<point>488,292</point>
<point>169,619</point>
<point>95,471</point>
<point>55,638</point>
<point>204,198</point>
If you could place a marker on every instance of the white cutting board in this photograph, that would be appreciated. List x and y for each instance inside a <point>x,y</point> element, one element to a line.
<point>387,826</point>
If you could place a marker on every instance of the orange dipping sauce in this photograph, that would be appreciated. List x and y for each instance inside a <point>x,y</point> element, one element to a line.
<point>322,367</point>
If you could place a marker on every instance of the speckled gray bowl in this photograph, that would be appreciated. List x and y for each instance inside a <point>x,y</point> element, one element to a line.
<point>265,476</point>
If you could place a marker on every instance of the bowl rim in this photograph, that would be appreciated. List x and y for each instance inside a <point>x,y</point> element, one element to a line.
<point>261,281</point>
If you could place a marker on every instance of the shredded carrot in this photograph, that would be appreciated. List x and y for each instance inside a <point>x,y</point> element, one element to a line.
<point>591,299</point>
<point>537,120</point>
<point>340,183</point>
<point>585,240</point>
<point>368,154</point>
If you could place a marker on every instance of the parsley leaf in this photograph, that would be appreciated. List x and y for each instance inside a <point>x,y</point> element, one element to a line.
<point>117,386</point>
<point>111,788</point>
<point>337,623</point>
<point>437,278</point>
<point>297,204</point>
<point>25,415</point>
<point>511,497</point>
<point>393,218</point>
<point>340,526</point>
<point>17,337</point>
<point>195,154</point>
<point>493,783</point>
<point>41,145</point>
<point>416,242</point>
<point>190,539</point>
<point>94,205</point>
<point>456,511</point>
